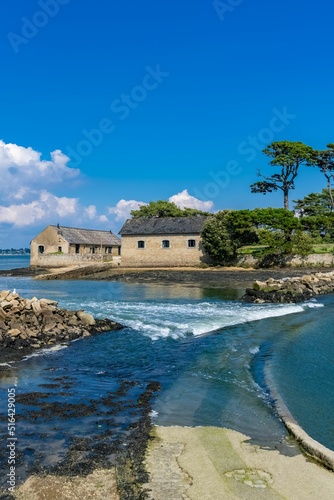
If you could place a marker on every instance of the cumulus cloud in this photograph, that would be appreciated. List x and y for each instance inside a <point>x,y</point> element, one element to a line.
<point>122,209</point>
<point>46,207</point>
<point>91,212</point>
<point>22,169</point>
<point>184,199</point>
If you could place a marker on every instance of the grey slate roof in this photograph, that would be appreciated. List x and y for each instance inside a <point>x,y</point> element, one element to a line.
<point>88,236</point>
<point>163,225</point>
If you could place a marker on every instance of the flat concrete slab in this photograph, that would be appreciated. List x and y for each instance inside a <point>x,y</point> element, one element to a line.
<point>209,463</point>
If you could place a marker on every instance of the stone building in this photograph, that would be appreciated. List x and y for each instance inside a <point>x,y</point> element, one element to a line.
<point>62,246</point>
<point>163,242</point>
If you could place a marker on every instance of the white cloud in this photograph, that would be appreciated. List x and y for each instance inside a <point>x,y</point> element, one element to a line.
<point>46,207</point>
<point>22,169</point>
<point>123,208</point>
<point>184,199</point>
<point>91,212</point>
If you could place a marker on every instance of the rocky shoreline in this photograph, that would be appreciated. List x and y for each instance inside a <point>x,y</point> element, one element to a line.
<point>215,277</point>
<point>287,290</point>
<point>34,323</point>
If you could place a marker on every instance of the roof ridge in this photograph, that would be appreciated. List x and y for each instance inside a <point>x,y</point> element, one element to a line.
<point>81,228</point>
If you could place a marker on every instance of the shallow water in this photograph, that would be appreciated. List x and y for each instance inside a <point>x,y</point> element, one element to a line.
<point>14,261</point>
<point>206,350</point>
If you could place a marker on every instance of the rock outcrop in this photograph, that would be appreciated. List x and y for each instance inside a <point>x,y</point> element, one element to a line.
<point>33,323</point>
<point>288,290</point>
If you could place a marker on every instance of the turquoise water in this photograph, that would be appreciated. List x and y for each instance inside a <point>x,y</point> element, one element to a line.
<point>206,350</point>
<point>303,370</point>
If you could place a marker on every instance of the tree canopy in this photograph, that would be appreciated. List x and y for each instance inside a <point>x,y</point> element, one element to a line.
<point>324,160</point>
<point>276,228</point>
<point>287,157</point>
<point>164,208</point>
<point>225,232</point>
<point>314,204</point>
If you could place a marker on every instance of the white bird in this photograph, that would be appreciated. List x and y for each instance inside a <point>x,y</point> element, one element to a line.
<point>14,291</point>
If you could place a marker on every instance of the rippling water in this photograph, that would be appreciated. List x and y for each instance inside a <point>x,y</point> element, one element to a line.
<point>14,261</point>
<point>206,350</point>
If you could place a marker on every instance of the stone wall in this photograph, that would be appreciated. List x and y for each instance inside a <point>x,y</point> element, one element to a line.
<point>312,260</point>
<point>154,255</point>
<point>63,260</point>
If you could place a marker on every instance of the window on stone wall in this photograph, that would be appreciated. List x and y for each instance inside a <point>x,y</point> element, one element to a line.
<point>60,249</point>
<point>141,244</point>
<point>108,249</point>
<point>41,249</point>
<point>92,249</point>
<point>191,243</point>
<point>165,243</point>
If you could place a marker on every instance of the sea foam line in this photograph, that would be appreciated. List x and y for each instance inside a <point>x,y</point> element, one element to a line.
<point>45,351</point>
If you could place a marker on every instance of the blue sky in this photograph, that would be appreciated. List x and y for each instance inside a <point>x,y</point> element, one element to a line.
<point>152,100</point>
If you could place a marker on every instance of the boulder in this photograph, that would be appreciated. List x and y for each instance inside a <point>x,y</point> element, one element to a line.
<point>14,332</point>
<point>3,314</point>
<point>86,318</point>
<point>36,307</point>
<point>6,304</point>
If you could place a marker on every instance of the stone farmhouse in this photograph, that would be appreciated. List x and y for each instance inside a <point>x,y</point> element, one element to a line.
<point>58,246</point>
<point>163,242</point>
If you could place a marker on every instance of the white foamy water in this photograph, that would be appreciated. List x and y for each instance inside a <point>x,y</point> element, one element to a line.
<point>179,319</point>
<point>45,351</point>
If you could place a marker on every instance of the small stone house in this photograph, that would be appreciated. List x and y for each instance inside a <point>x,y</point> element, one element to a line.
<point>62,246</point>
<point>163,242</point>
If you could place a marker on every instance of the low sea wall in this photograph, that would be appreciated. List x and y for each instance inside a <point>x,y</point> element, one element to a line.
<point>287,290</point>
<point>63,260</point>
<point>313,260</point>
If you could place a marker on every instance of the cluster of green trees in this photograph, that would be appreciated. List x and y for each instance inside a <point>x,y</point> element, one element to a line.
<point>163,208</point>
<point>287,157</point>
<point>279,231</point>
<point>276,229</point>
